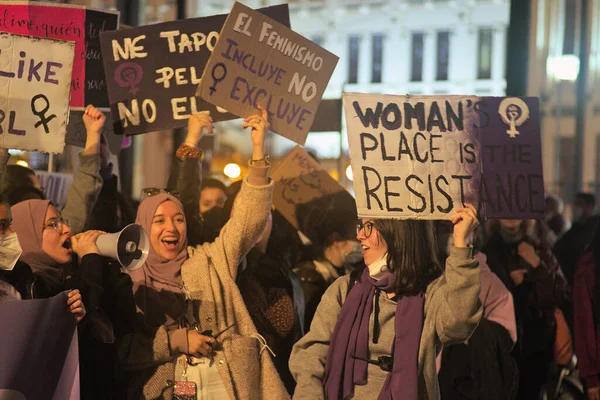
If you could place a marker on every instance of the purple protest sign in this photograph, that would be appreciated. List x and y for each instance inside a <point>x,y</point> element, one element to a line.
<point>511,156</point>
<point>39,358</point>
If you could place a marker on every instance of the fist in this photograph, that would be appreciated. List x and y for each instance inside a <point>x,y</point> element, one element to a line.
<point>465,221</point>
<point>85,243</point>
<point>196,123</point>
<point>93,120</point>
<point>528,253</point>
<point>518,276</point>
<point>199,345</point>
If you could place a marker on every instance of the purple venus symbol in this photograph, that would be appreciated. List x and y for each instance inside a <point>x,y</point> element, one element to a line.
<point>129,75</point>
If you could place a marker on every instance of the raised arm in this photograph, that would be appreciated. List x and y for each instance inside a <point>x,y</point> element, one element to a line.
<point>253,204</point>
<point>186,174</point>
<point>87,181</point>
<point>456,301</point>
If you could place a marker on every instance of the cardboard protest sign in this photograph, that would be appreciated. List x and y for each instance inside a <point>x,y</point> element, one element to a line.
<point>511,158</point>
<point>259,61</point>
<point>40,354</point>
<point>300,182</point>
<point>76,133</point>
<point>71,23</point>
<point>35,80</point>
<point>423,156</point>
<point>153,71</point>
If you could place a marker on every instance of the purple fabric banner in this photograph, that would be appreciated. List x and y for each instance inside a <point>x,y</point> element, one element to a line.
<point>39,356</point>
<point>512,185</point>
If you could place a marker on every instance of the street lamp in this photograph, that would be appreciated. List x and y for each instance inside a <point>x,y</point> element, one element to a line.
<point>563,68</point>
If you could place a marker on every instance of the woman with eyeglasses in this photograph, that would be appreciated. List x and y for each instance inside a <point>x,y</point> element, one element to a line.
<point>194,336</point>
<point>376,334</point>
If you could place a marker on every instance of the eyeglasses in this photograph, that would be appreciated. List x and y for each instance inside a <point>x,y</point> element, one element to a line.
<point>57,224</point>
<point>366,228</point>
<point>5,224</point>
<point>149,192</point>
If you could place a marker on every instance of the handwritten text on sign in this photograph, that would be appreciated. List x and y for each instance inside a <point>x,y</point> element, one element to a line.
<point>259,61</point>
<point>35,80</point>
<point>153,71</point>
<point>300,180</point>
<point>70,23</point>
<point>421,157</point>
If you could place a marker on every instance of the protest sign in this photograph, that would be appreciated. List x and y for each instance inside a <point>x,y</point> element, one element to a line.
<point>39,357</point>
<point>420,157</point>
<point>35,80</point>
<point>76,133</point>
<point>71,23</point>
<point>259,61</point>
<point>153,71</point>
<point>56,186</point>
<point>300,181</point>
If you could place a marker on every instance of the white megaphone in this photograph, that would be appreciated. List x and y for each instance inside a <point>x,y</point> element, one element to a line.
<point>129,247</point>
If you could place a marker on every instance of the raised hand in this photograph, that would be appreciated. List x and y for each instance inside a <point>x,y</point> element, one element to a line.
<point>465,221</point>
<point>93,119</point>
<point>260,125</point>
<point>196,123</point>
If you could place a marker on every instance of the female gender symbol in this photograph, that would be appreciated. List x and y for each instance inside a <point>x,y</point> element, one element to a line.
<point>216,79</point>
<point>129,75</point>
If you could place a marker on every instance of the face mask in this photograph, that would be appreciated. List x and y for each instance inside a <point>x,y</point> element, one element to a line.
<point>355,254</point>
<point>10,251</point>
<point>510,236</point>
<point>378,269</point>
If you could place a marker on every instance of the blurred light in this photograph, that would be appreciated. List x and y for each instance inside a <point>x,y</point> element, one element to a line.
<point>232,171</point>
<point>349,174</point>
<point>565,67</point>
<point>15,152</point>
<point>23,163</point>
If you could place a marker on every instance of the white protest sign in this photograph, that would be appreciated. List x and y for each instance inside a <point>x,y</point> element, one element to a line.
<point>35,83</point>
<point>413,157</point>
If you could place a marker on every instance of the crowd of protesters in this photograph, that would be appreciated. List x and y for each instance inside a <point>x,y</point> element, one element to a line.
<point>238,303</point>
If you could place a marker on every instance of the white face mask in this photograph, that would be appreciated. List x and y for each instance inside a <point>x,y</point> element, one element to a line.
<point>378,269</point>
<point>355,254</point>
<point>10,251</point>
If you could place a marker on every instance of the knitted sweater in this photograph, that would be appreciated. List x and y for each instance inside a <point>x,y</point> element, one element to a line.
<point>452,312</point>
<point>245,367</point>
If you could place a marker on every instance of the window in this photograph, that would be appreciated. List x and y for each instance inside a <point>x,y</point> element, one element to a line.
<point>353,59</point>
<point>570,26</point>
<point>443,55</point>
<point>484,55</point>
<point>376,71</point>
<point>416,68</point>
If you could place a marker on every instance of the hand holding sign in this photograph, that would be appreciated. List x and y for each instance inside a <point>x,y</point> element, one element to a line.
<point>196,124</point>
<point>260,125</point>
<point>465,221</point>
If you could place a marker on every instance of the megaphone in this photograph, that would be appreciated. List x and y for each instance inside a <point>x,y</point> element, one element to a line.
<point>129,247</point>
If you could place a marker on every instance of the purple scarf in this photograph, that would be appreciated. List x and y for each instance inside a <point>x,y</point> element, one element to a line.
<point>351,338</point>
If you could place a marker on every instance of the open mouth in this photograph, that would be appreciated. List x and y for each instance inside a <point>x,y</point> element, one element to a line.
<point>170,243</point>
<point>364,248</point>
<point>67,244</point>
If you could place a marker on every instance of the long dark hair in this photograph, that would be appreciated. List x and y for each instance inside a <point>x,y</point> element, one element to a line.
<point>412,253</point>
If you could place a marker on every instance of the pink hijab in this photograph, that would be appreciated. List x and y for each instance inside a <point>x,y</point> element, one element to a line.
<point>28,222</point>
<point>157,286</point>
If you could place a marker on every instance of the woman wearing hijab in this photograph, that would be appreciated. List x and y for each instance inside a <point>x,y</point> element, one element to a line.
<point>48,249</point>
<point>377,337</point>
<point>194,335</point>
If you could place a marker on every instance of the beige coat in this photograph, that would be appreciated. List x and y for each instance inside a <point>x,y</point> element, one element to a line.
<point>245,367</point>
